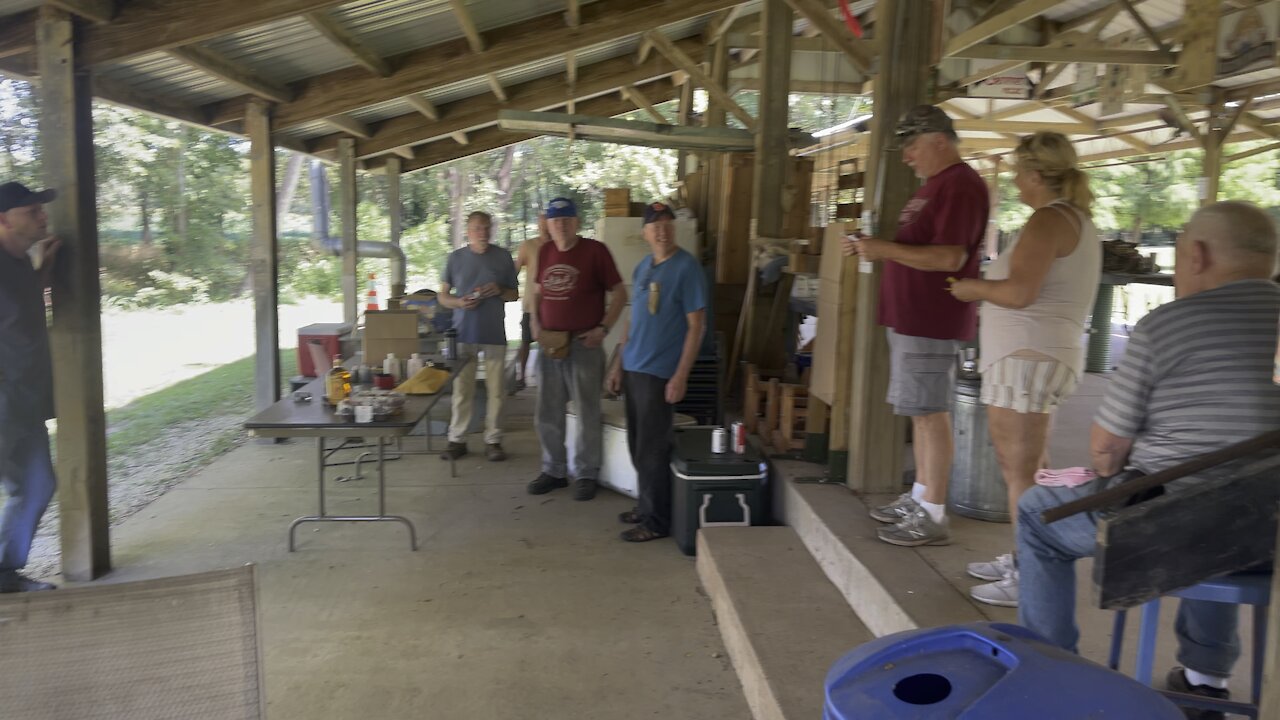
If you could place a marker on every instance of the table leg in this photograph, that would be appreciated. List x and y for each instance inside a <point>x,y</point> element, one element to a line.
<point>1098,357</point>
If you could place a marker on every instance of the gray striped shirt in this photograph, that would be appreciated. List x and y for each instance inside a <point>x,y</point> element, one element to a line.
<point>1197,377</point>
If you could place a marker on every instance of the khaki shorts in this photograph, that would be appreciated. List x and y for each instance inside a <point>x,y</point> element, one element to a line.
<point>922,374</point>
<point>1027,385</point>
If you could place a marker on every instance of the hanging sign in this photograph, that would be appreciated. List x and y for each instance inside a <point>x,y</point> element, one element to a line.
<point>1247,40</point>
<point>1014,86</point>
<point>1085,88</point>
<point>1114,83</point>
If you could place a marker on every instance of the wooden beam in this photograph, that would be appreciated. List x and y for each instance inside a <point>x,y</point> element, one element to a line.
<point>231,72</point>
<point>1199,58</point>
<point>1260,125</point>
<point>858,51</point>
<point>571,68</point>
<point>1190,144</point>
<point>118,93</point>
<point>495,85</point>
<point>1252,91</point>
<point>772,159</point>
<point>636,96</point>
<point>460,137</point>
<point>818,43</point>
<point>263,256</point>
<point>806,87</point>
<point>1184,121</point>
<point>719,23</point>
<point>1250,153</point>
<point>540,94</point>
<point>344,91</point>
<point>99,11</point>
<point>1144,26</point>
<point>1015,15</point>
<point>349,125</point>
<point>1036,53</point>
<point>66,136</point>
<point>1014,126</point>
<point>404,151</point>
<point>714,89</point>
<point>346,41</point>
<point>348,195</point>
<point>18,35</point>
<point>463,16</point>
<point>573,14</point>
<point>424,106</point>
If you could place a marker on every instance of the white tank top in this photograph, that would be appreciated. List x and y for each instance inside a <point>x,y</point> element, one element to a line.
<point>1053,325</point>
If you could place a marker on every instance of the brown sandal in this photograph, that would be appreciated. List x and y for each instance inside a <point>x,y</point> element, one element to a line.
<point>640,533</point>
<point>630,517</point>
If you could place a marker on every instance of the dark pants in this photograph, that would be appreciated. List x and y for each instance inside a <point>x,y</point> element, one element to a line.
<point>650,434</point>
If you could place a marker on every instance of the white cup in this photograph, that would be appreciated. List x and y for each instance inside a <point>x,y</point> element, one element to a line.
<point>364,413</point>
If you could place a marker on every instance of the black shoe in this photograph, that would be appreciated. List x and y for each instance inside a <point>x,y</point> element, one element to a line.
<point>454,451</point>
<point>493,452</point>
<point>545,483</point>
<point>584,489</point>
<point>13,581</point>
<point>1177,682</point>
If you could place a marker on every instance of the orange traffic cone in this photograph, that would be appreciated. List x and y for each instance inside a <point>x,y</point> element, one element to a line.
<point>371,301</point>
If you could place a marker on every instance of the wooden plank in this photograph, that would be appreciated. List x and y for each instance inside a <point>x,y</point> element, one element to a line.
<point>18,35</point>
<point>1158,546</point>
<point>460,137</point>
<point>424,106</point>
<point>1015,15</point>
<point>537,38</point>
<point>1250,153</point>
<point>720,23</point>
<point>463,16</point>
<point>337,33</point>
<point>232,72</point>
<point>733,249</point>
<point>858,51</point>
<point>1184,121</point>
<point>573,14</point>
<point>637,96</point>
<point>1143,25</point>
<point>681,60</point>
<point>99,11</point>
<point>1014,126</point>
<point>772,161</point>
<point>347,199</point>
<point>1198,61</point>
<point>66,134</point>
<point>349,125</point>
<point>263,257</point>
<point>1038,53</point>
<point>495,86</point>
<point>404,151</point>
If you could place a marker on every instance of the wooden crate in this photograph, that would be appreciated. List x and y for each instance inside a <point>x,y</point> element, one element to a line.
<point>756,391</point>
<point>793,410</point>
<point>617,202</point>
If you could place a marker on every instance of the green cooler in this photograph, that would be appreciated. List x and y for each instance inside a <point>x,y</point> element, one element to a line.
<point>714,489</point>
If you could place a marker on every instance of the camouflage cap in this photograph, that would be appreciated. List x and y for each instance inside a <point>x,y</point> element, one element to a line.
<point>924,119</point>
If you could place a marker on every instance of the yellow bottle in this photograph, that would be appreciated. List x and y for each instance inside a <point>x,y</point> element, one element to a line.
<point>337,384</point>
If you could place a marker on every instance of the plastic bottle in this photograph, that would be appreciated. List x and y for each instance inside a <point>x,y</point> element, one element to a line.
<point>413,366</point>
<point>337,384</point>
<point>391,366</point>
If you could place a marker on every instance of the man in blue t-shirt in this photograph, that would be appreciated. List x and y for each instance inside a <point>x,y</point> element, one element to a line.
<point>668,318</point>
<point>478,280</point>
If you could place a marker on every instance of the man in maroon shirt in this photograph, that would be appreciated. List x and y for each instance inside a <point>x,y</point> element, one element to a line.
<point>570,321</point>
<point>939,235</point>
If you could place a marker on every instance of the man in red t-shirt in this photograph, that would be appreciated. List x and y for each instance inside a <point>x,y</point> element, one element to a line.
<point>939,235</point>
<point>570,321</point>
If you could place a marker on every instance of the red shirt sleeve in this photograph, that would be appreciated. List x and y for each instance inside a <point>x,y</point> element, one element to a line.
<point>608,268</point>
<point>961,219</point>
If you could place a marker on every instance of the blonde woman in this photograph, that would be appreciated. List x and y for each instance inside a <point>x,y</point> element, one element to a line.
<point>1036,298</point>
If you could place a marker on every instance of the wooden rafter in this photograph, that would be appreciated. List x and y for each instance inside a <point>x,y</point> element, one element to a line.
<point>495,86</point>
<point>541,94</point>
<point>232,72</point>
<point>719,23</point>
<point>335,32</point>
<point>1258,124</point>
<point>404,151</point>
<point>424,106</point>
<point>1047,53</point>
<point>643,50</point>
<point>683,61</point>
<point>573,14</point>
<point>1250,153</point>
<point>508,46</point>
<point>1144,26</point>
<point>816,12</point>
<point>637,96</point>
<point>812,43</point>
<point>99,11</point>
<point>460,137</point>
<point>1017,14</point>
<point>349,125</point>
<point>468,25</point>
<point>1015,126</point>
<point>808,87</point>
<point>1184,121</point>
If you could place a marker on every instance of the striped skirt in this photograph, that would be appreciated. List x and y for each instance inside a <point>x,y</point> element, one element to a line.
<point>1027,385</point>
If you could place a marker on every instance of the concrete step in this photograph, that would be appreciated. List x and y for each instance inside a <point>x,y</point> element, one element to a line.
<point>782,621</point>
<point>890,588</point>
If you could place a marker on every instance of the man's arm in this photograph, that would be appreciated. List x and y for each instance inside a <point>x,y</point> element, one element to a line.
<point>617,303</point>
<point>939,258</point>
<point>613,379</point>
<point>1107,450</point>
<point>678,385</point>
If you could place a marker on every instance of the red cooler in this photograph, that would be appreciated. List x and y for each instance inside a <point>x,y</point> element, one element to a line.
<point>328,335</point>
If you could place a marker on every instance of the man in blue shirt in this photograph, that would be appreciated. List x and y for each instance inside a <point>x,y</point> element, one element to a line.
<point>26,379</point>
<point>668,318</point>
<point>484,278</point>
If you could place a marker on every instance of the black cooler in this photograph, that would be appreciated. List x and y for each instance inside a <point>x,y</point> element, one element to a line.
<point>714,489</point>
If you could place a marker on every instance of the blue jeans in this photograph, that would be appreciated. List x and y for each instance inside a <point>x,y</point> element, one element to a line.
<point>580,378</point>
<point>1206,631</point>
<point>26,474</point>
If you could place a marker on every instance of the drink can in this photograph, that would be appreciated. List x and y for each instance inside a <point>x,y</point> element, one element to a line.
<point>738,432</point>
<point>719,441</point>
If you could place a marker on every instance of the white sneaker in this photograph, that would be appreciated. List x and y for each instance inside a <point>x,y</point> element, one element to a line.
<point>1003,592</point>
<point>991,571</point>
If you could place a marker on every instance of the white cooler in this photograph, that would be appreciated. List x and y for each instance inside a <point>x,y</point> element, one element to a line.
<point>616,471</point>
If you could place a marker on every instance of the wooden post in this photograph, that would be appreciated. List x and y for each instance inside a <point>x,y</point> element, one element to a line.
<point>877,438</point>
<point>395,210</point>
<point>683,114</point>
<point>772,158</point>
<point>66,134</point>
<point>347,161</point>
<point>264,255</point>
<point>993,229</point>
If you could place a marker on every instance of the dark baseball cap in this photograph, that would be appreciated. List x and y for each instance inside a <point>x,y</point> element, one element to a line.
<point>923,119</point>
<point>561,207</point>
<point>16,195</point>
<point>657,211</point>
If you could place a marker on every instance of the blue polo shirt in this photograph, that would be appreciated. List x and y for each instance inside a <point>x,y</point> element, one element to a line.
<point>655,340</point>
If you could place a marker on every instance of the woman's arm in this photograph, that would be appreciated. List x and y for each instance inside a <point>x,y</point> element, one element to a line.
<point>1046,237</point>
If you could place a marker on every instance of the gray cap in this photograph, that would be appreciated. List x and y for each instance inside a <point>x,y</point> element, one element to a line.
<point>924,119</point>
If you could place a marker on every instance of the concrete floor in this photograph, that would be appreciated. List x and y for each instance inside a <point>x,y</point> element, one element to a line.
<point>513,607</point>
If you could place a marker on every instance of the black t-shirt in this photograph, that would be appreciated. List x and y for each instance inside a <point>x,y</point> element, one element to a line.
<point>26,372</point>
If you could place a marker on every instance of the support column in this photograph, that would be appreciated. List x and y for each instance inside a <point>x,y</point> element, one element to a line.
<point>772,160</point>
<point>395,213</point>
<point>347,200</point>
<point>877,438</point>
<point>264,255</point>
<point>66,134</point>
<point>683,114</point>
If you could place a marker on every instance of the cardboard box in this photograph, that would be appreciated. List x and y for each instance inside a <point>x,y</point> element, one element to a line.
<point>834,263</point>
<point>390,331</point>
<point>837,294</point>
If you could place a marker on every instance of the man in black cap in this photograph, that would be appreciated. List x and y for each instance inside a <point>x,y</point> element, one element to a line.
<point>658,350</point>
<point>939,238</point>
<point>26,378</point>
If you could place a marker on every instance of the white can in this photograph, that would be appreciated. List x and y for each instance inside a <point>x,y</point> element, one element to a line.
<point>719,441</point>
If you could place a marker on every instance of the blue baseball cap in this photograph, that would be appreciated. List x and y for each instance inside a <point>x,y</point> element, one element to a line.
<point>561,207</point>
<point>657,211</point>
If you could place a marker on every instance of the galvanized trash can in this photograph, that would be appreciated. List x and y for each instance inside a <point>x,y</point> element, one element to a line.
<point>977,488</point>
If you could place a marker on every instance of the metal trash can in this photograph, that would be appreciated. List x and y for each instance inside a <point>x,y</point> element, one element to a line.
<point>981,671</point>
<point>977,488</point>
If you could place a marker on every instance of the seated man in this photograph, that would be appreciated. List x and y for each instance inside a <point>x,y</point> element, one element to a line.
<point>1196,378</point>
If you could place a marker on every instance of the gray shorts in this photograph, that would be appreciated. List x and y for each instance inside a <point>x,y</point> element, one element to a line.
<point>922,374</point>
